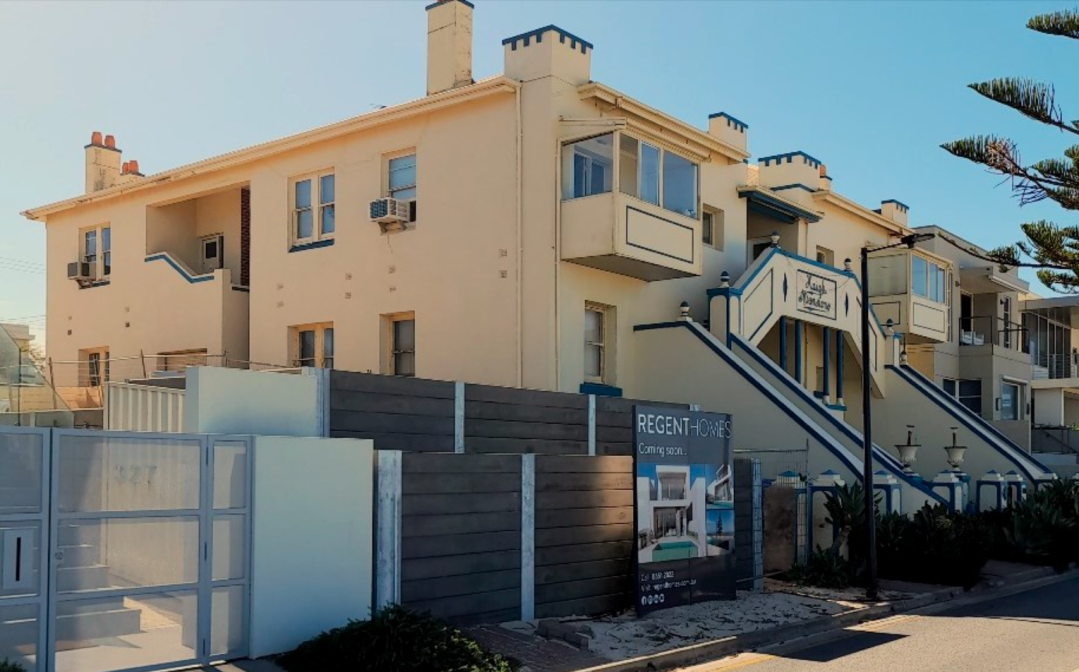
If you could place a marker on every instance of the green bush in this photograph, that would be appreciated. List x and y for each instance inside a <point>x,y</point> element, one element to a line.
<point>8,666</point>
<point>393,640</point>
<point>1044,527</point>
<point>823,569</point>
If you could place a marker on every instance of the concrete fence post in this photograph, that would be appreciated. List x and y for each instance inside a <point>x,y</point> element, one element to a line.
<point>458,417</point>
<point>758,526</point>
<point>388,528</point>
<point>592,425</point>
<point>528,537</point>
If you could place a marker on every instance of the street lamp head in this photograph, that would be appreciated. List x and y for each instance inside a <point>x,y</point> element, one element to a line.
<point>912,239</point>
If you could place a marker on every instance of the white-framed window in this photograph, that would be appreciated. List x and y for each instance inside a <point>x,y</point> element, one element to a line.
<point>657,176</point>
<point>588,167</point>
<point>212,252</point>
<point>95,249</point>
<point>597,334</point>
<point>401,179</point>
<point>312,345</point>
<point>712,227</point>
<point>399,344</point>
<point>928,279</point>
<point>825,256</point>
<point>93,367</point>
<point>313,208</point>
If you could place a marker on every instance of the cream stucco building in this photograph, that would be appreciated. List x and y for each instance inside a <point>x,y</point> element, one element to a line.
<point>537,229</point>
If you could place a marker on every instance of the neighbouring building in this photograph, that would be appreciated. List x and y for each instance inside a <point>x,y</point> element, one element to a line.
<point>540,229</point>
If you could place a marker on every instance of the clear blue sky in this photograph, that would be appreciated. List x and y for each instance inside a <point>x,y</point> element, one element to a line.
<point>869,88</point>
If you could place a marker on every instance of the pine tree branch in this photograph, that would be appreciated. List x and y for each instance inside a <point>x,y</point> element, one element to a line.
<point>1064,23</point>
<point>1030,98</point>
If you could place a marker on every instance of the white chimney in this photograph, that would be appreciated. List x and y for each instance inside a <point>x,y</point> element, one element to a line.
<point>102,163</point>
<point>449,45</point>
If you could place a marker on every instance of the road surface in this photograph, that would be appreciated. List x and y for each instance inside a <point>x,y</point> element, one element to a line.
<point>1036,630</point>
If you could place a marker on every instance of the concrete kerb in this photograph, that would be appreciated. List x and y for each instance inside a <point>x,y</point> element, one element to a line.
<point>749,641</point>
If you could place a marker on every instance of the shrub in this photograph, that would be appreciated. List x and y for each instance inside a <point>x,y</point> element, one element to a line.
<point>823,569</point>
<point>1044,526</point>
<point>393,640</point>
<point>8,666</point>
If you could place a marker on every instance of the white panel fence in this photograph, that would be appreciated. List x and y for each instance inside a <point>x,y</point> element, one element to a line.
<point>143,408</point>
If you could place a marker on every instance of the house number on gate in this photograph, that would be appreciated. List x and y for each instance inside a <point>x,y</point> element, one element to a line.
<point>134,475</point>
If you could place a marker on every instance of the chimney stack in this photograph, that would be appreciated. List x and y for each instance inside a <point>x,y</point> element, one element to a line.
<point>102,162</point>
<point>449,45</point>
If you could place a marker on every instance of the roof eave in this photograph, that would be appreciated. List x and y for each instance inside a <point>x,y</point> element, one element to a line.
<point>860,210</point>
<point>480,89</point>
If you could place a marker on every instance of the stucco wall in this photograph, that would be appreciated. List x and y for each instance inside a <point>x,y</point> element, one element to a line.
<point>233,401</point>
<point>309,577</point>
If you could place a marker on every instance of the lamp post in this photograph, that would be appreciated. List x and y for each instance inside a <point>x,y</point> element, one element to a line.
<point>867,424</point>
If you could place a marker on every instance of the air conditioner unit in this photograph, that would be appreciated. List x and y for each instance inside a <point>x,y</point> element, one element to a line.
<point>81,272</point>
<point>390,213</point>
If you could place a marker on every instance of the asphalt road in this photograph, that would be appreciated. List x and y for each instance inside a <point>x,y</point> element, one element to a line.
<point>1036,631</point>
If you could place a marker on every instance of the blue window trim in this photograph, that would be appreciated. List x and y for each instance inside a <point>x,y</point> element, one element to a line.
<point>600,390</point>
<point>328,242</point>
<point>161,256</point>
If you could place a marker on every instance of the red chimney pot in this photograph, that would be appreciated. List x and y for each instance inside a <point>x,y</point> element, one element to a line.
<point>110,142</point>
<point>133,166</point>
<point>95,138</point>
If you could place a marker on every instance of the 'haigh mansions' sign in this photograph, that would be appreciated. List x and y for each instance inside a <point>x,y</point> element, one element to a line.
<point>815,294</point>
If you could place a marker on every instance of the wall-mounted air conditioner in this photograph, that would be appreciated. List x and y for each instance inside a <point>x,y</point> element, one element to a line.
<point>390,213</point>
<point>81,272</point>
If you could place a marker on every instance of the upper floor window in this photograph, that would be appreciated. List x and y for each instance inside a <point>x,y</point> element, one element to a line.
<point>928,279</point>
<point>312,345</point>
<point>588,167</point>
<point>657,176</point>
<point>93,367</point>
<point>313,208</point>
<point>401,180</point>
<point>825,256</point>
<point>96,250</point>
<point>712,228</point>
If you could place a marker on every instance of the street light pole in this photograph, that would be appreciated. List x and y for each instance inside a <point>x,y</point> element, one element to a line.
<point>871,592</point>
<point>867,443</point>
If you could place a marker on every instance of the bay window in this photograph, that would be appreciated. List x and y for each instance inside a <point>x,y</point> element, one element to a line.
<point>928,279</point>
<point>588,167</point>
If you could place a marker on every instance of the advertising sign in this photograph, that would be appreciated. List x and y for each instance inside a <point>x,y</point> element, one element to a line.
<point>816,294</point>
<point>684,507</point>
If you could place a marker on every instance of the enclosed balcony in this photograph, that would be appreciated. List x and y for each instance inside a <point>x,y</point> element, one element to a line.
<point>913,289</point>
<point>633,211</point>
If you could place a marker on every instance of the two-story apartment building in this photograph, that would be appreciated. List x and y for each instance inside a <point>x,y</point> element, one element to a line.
<point>533,229</point>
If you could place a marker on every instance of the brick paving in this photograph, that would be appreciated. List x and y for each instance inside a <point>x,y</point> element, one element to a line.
<point>535,653</point>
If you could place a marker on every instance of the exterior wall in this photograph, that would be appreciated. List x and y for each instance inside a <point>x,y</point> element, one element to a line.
<point>232,401</point>
<point>307,578</point>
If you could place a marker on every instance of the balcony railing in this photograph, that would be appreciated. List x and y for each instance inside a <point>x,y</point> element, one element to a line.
<point>1055,366</point>
<point>993,330</point>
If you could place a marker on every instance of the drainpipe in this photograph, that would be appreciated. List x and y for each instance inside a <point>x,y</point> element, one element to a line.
<point>520,245</point>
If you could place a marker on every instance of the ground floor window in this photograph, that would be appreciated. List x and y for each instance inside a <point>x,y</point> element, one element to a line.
<point>970,395</point>
<point>597,329</point>
<point>93,367</point>
<point>399,344</point>
<point>1009,402</point>
<point>312,345</point>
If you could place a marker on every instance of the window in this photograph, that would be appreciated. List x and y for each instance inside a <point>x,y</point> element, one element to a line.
<point>712,227</point>
<point>588,167</point>
<point>970,395</point>
<point>1009,401</point>
<point>313,210</point>
<point>757,248</point>
<point>399,344</point>
<point>825,256</point>
<point>647,172</point>
<point>213,254</point>
<point>596,328</point>
<point>93,367</point>
<point>928,279</point>
<point>949,386</point>
<point>97,250</point>
<point>312,345</point>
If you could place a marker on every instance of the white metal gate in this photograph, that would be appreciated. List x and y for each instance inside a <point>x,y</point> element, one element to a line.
<point>147,541</point>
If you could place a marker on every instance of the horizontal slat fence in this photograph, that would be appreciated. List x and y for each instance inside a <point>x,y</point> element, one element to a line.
<point>461,536</point>
<point>584,535</point>
<point>510,420</point>
<point>408,414</point>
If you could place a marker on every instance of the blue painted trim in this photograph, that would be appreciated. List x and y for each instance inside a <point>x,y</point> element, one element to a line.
<point>836,407</point>
<point>312,246</point>
<point>783,342</point>
<point>205,277</point>
<point>97,283</point>
<point>826,341</point>
<point>965,416</point>
<point>436,4</point>
<point>763,200</point>
<point>902,206</point>
<point>789,156</point>
<point>538,34</point>
<point>723,291</point>
<point>771,308</point>
<point>793,185</point>
<point>657,325</point>
<point>838,365</point>
<point>737,123</point>
<point>798,352</point>
<point>600,390</point>
<point>795,387</point>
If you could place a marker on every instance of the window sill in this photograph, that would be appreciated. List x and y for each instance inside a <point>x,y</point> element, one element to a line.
<point>600,390</point>
<point>327,242</point>
<point>96,283</point>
